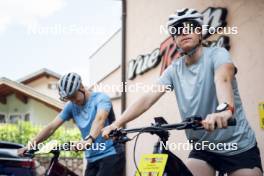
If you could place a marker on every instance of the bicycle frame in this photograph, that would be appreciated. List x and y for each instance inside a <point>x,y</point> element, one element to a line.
<point>174,165</point>
<point>57,169</point>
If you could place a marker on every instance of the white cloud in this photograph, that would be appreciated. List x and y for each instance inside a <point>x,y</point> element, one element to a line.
<point>26,12</point>
<point>4,21</point>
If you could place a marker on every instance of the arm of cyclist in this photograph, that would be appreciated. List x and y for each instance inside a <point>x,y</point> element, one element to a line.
<point>223,83</point>
<point>42,135</point>
<point>135,109</point>
<point>95,131</point>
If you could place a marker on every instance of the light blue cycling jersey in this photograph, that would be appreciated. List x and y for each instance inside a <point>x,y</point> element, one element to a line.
<point>84,117</point>
<point>196,95</point>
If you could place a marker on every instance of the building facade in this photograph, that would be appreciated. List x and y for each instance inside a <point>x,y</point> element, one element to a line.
<point>33,98</point>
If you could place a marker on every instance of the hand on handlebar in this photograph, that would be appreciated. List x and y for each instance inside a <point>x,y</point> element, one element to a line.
<point>108,129</point>
<point>22,151</point>
<point>25,150</point>
<point>217,120</point>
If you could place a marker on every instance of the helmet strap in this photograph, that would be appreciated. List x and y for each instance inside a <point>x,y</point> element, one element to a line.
<point>84,97</point>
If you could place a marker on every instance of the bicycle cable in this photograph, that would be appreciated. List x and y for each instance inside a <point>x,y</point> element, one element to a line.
<point>134,152</point>
<point>135,145</point>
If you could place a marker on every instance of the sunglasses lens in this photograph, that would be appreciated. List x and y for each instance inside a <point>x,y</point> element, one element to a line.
<point>185,27</point>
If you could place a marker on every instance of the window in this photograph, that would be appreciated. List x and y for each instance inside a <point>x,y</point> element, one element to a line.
<point>53,86</point>
<point>2,118</point>
<point>14,118</point>
<point>27,117</point>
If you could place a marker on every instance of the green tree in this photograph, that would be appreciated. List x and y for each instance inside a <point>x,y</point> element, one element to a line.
<point>22,132</point>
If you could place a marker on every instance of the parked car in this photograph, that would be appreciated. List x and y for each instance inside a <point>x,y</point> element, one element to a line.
<point>13,165</point>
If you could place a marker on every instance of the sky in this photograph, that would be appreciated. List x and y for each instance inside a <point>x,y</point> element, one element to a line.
<point>56,34</point>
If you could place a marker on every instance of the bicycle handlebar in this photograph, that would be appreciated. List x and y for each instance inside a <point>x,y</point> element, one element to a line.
<point>193,122</point>
<point>65,147</point>
<point>160,128</point>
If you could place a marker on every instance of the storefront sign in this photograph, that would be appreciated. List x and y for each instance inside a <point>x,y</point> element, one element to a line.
<point>143,63</point>
<point>213,19</point>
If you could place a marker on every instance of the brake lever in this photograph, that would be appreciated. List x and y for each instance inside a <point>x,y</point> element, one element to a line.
<point>193,122</point>
<point>116,133</point>
<point>119,136</point>
<point>30,153</point>
<point>122,139</point>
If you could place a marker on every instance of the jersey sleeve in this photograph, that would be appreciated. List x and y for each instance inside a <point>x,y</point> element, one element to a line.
<point>66,113</point>
<point>166,77</point>
<point>220,56</point>
<point>104,103</point>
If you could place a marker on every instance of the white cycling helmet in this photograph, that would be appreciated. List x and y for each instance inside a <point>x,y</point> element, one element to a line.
<point>181,16</point>
<point>69,84</point>
<point>184,14</point>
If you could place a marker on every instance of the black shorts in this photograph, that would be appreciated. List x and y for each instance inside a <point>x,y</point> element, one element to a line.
<point>227,164</point>
<point>113,165</point>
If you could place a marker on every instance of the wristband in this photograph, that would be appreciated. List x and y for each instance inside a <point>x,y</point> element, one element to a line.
<point>89,137</point>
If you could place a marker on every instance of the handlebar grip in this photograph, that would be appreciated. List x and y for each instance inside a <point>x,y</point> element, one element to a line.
<point>30,153</point>
<point>113,133</point>
<point>116,133</point>
<point>232,122</point>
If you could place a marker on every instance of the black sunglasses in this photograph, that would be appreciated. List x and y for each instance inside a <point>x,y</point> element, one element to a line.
<point>185,27</point>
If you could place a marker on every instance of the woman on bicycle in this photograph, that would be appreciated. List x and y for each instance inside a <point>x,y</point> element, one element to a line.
<point>204,84</point>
